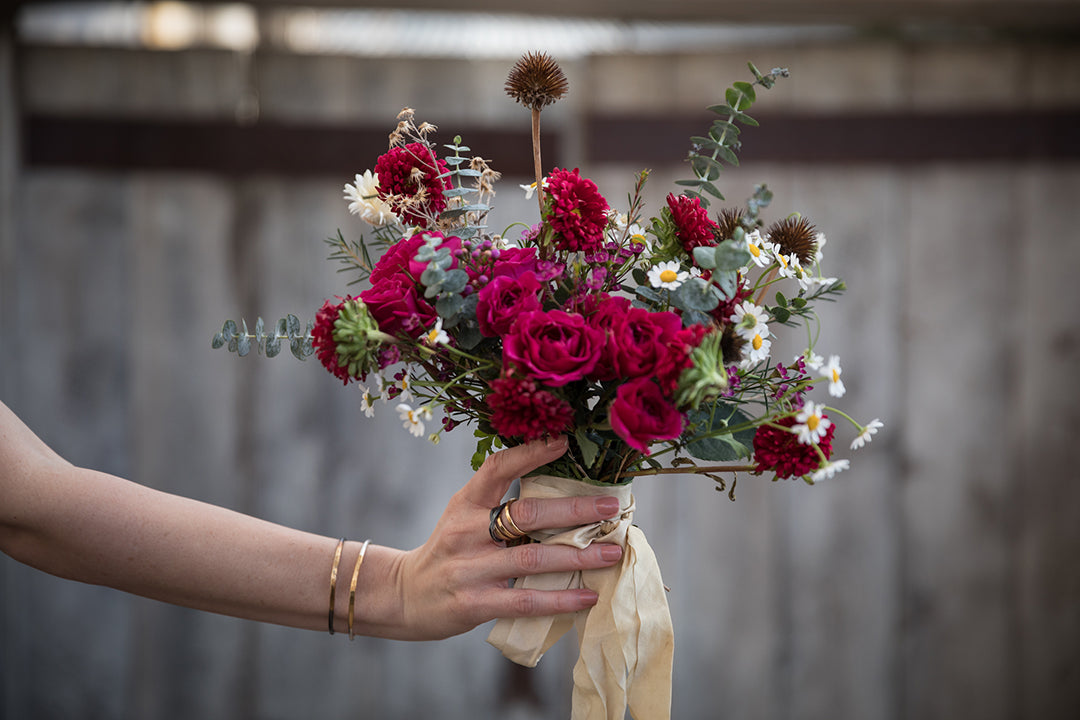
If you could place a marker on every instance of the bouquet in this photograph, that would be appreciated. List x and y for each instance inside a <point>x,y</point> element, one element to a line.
<point>647,340</point>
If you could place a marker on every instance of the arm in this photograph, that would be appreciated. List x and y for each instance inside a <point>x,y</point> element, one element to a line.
<point>93,527</point>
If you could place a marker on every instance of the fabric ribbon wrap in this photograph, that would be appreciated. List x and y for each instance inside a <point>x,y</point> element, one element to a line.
<point>626,640</point>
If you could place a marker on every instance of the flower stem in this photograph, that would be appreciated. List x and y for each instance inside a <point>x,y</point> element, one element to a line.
<point>537,166</point>
<point>696,470</point>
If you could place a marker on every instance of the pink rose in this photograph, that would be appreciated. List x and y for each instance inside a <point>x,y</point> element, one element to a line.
<point>603,316</point>
<point>554,347</point>
<point>501,301</point>
<point>397,307</point>
<point>513,262</point>
<point>452,243</point>
<point>641,415</point>
<point>396,259</point>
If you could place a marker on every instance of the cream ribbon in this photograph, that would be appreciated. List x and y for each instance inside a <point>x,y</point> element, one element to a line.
<point>625,641</point>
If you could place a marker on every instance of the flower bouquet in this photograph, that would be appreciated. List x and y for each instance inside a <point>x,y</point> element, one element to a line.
<point>645,340</point>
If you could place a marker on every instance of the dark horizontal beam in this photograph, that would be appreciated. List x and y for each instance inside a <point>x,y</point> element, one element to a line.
<point>862,138</point>
<point>332,150</point>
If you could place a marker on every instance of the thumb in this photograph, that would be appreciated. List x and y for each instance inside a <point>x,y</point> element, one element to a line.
<point>487,487</point>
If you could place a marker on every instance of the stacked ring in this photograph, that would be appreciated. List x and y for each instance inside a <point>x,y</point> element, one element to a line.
<point>502,527</point>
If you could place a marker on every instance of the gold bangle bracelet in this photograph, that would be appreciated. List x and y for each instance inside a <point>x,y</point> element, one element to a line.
<point>333,580</point>
<point>352,585</point>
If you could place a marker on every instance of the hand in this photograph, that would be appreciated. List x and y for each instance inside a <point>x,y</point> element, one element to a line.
<point>459,578</point>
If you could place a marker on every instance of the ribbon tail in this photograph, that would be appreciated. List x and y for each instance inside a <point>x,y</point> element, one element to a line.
<point>525,640</point>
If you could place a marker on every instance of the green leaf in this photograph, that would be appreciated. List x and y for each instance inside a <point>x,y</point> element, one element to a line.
<point>695,294</point>
<point>731,256</point>
<point>746,89</point>
<point>292,325</point>
<point>458,192</point>
<point>781,314</point>
<point>455,160</point>
<point>243,341</point>
<point>455,281</point>
<point>273,346</point>
<point>432,276</point>
<point>781,300</point>
<point>705,257</point>
<point>449,305</point>
<point>723,447</point>
<point>727,281</point>
<point>218,341</point>
<point>711,189</point>
<point>589,449</point>
<point>690,183</point>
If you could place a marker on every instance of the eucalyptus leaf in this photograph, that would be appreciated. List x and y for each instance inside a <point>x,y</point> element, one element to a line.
<point>243,346</point>
<point>218,341</point>
<point>455,281</point>
<point>694,294</point>
<point>727,281</point>
<point>731,256</point>
<point>432,276</point>
<point>273,346</point>
<point>449,305</point>
<point>705,257</point>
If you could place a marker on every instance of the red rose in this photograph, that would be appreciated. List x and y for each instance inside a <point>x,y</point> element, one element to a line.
<point>397,307</point>
<point>603,314</point>
<point>640,341</point>
<point>501,301</point>
<point>555,347</point>
<point>396,259</point>
<point>640,415</point>
<point>514,261</point>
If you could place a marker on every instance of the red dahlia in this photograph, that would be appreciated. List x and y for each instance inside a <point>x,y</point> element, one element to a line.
<point>519,409</point>
<point>693,227</point>
<point>779,450</point>
<point>322,339</point>
<point>409,180</point>
<point>578,212</point>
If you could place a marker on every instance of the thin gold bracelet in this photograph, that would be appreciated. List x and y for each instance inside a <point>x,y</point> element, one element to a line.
<point>352,585</point>
<point>333,580</point>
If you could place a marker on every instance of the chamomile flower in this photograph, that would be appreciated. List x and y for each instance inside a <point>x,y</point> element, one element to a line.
<point>831,372</point>
<point>757,348</point>
<point>819,242</point>
<point>366,401</point>
<point>790,267</point>
<point>667,275</point>
<point>411,419</point>
<point>750,320</point>
<point>364,201</point>
<point>811,423</point>
<point>826,471</point>
<point>530,189</point>
<point>761,250</point>
<point>865,434</point>
<point>812,359</point>
<point>436,336</point>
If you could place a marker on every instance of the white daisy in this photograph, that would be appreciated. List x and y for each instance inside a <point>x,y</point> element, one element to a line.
<point>367,401</point>
<point>750,320</point>
<point>811,423</point>
<point>831,371</point>
<point>761,250</point>
<point>812,359</point>
<point>819,241</point>
<point>530,189</point>
<point>411,419</point>
<point>364,201</point>
<point>667,275</point>
<point>865,434</point>
<point>437,336</point>
<point>790,267</point>
<point>759,346</point>
<point>829,469</point>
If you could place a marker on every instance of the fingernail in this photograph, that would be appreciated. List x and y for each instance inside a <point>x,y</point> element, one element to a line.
<point>588,597</point>
<point>556,443</point>
<point>610,552</point>
<point>607,505</point>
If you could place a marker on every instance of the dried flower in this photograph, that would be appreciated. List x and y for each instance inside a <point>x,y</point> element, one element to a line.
<point>536,81</point>
<point>795,236</point>
<point>728,221</point>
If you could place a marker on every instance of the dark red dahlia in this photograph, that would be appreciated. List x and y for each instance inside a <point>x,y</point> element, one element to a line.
<point>779,450</point>
<point>578,212</point>
<point>409,180</point>
<point>693,227</point>
<point>677,358</point>
<point>322,339</point>
<point>520,409</point>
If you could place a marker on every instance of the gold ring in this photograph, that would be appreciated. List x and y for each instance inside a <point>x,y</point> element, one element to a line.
<point>502,527</point>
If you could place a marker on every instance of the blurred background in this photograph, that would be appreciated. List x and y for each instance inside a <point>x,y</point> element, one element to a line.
<point>165,166</point>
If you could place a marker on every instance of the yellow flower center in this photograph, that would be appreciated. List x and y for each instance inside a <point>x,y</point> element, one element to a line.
<point>432,336</point>
<point>668,276</point>
<point>812,422</point>
<point>638,238</point>
<point>756,342</point>
<point>782,259</point>
<point>836,376</point>
<point>754,250</point>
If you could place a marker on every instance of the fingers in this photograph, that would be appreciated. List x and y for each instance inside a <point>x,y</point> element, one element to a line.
<point>539,514</point>
<point>539,603</point>
<point>536,558</point>
<point>487,487</point>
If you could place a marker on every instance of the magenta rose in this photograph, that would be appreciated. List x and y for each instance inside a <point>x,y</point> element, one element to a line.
<point>641,415</point>
<point>452,243</point>
<point>397,307</point>
<point>603,314</point>
<point>554,347</point>
<point>513,262</point>
<point>499,303</point>
<point>641,341</point>
<point>396,259</point>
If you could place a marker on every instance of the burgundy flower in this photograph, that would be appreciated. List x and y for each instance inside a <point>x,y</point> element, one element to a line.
<point>409,180</point>
<point>640,415</point>
<point>501,301</point>
<point>670,366</point>
<point>555,347</point>
<point>397,306</point>
<point>513,262</point>
<point>604,312</point>
<point>397,259</point>
<point>520,409</point>
<point>692,224</point>
<point>779,450</point>
<point>452,243</point>
<point>322,339</point>
<point>578,212</point>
